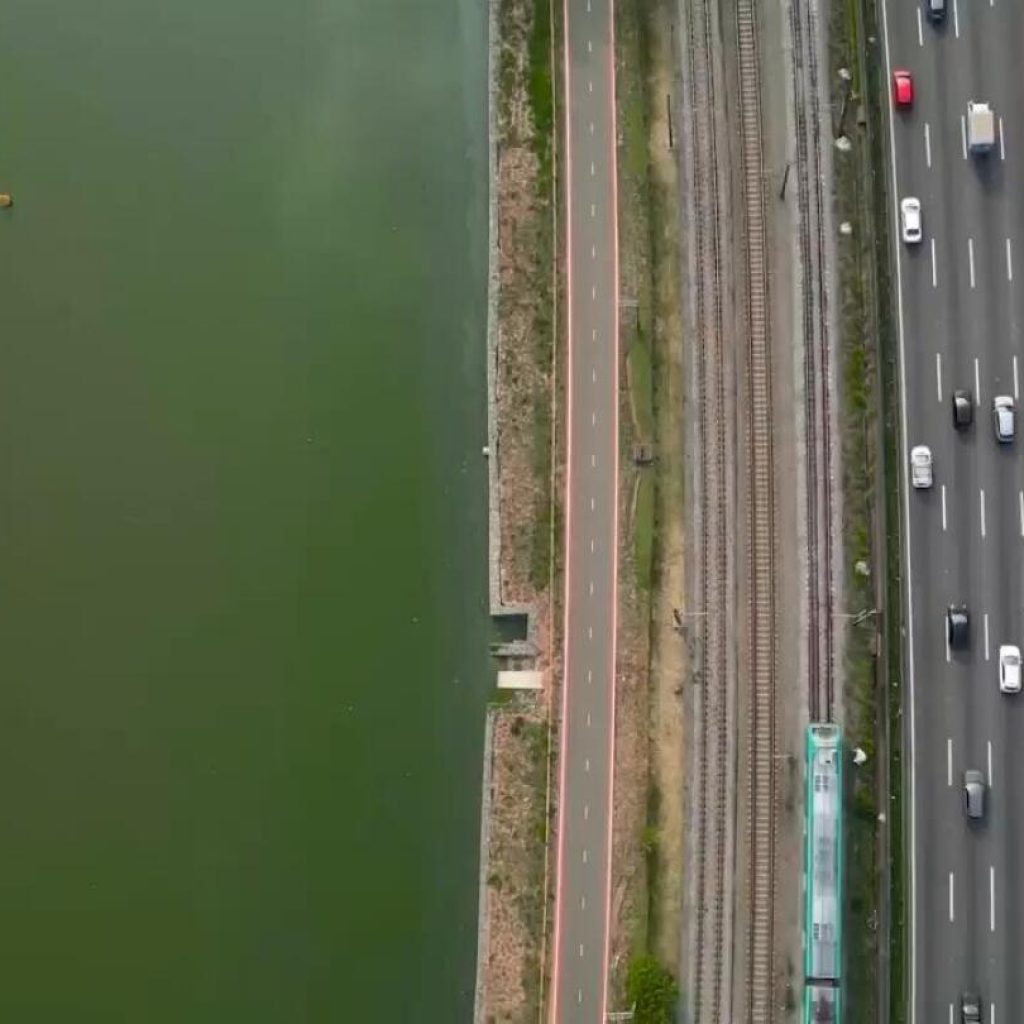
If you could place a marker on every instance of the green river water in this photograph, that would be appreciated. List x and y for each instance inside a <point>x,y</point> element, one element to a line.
<point>242,509</point>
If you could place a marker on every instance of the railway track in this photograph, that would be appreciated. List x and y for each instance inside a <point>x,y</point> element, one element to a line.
<point>715,797</point>
<point>761,536</point>
<point>817,369</point>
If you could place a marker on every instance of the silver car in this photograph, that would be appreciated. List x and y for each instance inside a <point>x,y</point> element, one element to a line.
<point>1003,418</point>
<point>974,794</point>
<point>921,466</point>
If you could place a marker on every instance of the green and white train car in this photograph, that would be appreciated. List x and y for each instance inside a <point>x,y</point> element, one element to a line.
<point>823,868</point>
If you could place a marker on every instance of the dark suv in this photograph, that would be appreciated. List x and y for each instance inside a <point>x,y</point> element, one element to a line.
<point>963,409</point>
<point>957,626</point>
<point>970,1008</point>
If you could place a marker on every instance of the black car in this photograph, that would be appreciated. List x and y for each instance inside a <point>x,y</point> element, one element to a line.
<point>970,1008</point>
<point>963,409</point>
<point>957,626</point>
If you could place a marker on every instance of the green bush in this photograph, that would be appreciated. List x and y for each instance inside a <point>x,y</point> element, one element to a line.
<point>652,990</point>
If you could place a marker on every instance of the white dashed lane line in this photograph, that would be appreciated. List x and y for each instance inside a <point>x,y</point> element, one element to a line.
<point>920,29</point>
<point>927,144</point>
<point>982,504</point>
<point>1002,141</point>
<point>1020,506</point>
<point>970,258</point>
<point>943,507</point>
<point>949,762</point>
<point>1009,260</point>
<point>938,375</point>
<point>956,20</point>
<point>935,269</point>
<point>963,135</point>
<point>951,915</point>
<point>989,764</point>
<point>1016,383</point>
<point>977,383</point>
<point>992,898</point>
<point>985,621</point>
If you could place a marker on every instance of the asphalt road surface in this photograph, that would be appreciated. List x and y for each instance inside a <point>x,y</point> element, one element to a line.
<point>579,991</point>
<point>960,316</point>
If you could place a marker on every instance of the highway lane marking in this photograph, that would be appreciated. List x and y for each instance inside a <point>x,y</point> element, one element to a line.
<point>992,1010</point>
<point>590,632</point>
<point>951,896</point>
<point>591,588</point>
<point>1020,504</point>
<point>920,31</point>
<point>591,504</point>
<point>992,898</point>
<point>593,256</point>
<point>1009,260</point>
<point>949,762</point>
<point>579,996</point>
<point>590,46</point>
<point>956,20</point>
<point>1002,144</point>
<point>593,375</point>
<point>977,383</point>
<point>586,764</point>
<point>963,134</point>
<point>592,172</point>
<point>591,545</point>
<point>586,812</point>
<point>585,856</point>
<point>590,86</point>
<point>591,127</point>
<point>935,272</point>
<point>970,258</point>
<point>583,903</point>
<point>985,619</point>
<point>593,334</point>
<point>927,137</point>
<point>593,292</point>
<point>593,419</point>
<point>588,718</point>
<point>581,950</point>
<point>593,211</point>
<point>590,675</point>
<point>593,461</point>
<point>938,375</point>
<point>945,633</point>
<point>982,493</point>
<point>950,1013</point>
<point>989,764</point>
<point>1016,388</point>
<point>943,507</point>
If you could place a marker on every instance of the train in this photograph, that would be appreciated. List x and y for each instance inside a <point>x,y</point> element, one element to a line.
<point>823,873</point>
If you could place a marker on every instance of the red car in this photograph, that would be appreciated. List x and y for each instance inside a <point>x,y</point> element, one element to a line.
<point>902,88</point>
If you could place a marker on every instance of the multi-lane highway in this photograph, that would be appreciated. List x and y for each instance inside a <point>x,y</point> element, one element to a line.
<point>579,986</point>
<point>960,316</point>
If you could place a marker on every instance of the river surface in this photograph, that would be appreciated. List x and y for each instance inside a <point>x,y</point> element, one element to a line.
<point>242,509</point>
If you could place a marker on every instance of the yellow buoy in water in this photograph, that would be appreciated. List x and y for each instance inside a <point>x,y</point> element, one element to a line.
<point>5,201</point>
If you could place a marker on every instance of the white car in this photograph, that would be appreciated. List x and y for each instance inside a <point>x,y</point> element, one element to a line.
<point>1009,669</point>
<point>910,220</point>
<point>921,466</point>
<point>1002,418</point>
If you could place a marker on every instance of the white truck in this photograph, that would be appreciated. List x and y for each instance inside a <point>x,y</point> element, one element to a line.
<point>981,127</point>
